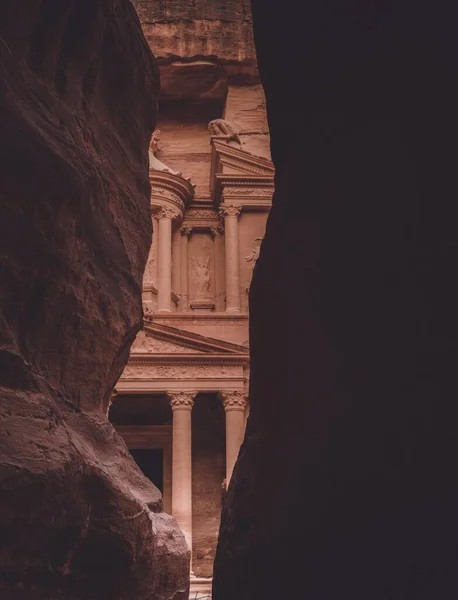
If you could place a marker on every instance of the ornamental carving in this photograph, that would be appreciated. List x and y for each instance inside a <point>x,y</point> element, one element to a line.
<point>216,231</point>
<point>234,400</point>
<point>144,343</point>
<point>186,231</point>
<point>181,400</point>
<point>222,128</point>
<point>229,210</point>
<point>166,212</point>
<point>253,257</point>
<point>252,191</point>
<point>201,276</point>
<point>181,372</point>
<point>201,213</point>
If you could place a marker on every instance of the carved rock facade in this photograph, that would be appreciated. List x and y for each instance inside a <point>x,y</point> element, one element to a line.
<point>78,519</point>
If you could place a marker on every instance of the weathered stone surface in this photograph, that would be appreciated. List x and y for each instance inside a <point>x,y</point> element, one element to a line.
<point>345,485</point>
<point>78,101</point>
<point>193,41</point>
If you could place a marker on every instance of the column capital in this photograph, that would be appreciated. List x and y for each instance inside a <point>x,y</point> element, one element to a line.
<point>217,231</point>
<point>166,212</point>
<point>186,230</point>
<point>230,210</point>
<point>181,400</point>
<point>233,400</point>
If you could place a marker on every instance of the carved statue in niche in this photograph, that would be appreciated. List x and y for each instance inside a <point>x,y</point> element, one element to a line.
<point>221,127</point>
<point>201,276</point>
<point>253,257</point>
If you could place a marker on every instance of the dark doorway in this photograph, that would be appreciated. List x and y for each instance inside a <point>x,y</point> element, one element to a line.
<point>151,462</point>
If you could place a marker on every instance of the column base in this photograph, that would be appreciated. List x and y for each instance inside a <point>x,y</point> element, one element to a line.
<point>201,588</point>
<point>164,310</point>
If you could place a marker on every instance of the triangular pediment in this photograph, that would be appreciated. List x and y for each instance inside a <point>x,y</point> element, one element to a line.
<point>162,339</point>
<point>229,159</point>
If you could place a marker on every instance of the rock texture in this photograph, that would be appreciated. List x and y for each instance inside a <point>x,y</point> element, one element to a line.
<point>78,101</point>
<point>345,486</point>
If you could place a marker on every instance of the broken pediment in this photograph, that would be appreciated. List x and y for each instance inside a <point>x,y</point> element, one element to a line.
<point>228,159</point>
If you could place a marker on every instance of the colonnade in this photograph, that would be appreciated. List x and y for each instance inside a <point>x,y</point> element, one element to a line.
<point>181,402</point>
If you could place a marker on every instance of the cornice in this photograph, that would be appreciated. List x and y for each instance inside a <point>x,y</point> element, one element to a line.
<point>256,191</point>
<point>168,188</point>
<point>218,360</point>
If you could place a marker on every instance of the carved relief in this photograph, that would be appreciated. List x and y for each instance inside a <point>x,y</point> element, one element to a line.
<point>229,210</point>
<point>181,400</point>
<point>253,257</point>
<point>145,343</point>
<point>253,191</point>
<point>201,213</point>
<point>201,276</point>
<point>234,400</point>
<point>183,372</point>
<point>166,212</point>
<point>222,128</point>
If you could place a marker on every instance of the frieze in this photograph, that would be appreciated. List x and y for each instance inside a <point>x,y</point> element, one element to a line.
<point>244,191</point>
<point>144,343</point>
<point>201,213</point>
<point>180,372</point>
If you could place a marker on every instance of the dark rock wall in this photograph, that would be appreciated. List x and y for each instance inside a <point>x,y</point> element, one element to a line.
<point>345,485</point>
<point>78,101</point>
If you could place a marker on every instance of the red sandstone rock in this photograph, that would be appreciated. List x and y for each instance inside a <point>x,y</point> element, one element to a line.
<point>78,101</point>
<point>345,485</point>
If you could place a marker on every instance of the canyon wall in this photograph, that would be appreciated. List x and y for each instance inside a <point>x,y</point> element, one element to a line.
<point>345,484</point>
<point>79,91</point>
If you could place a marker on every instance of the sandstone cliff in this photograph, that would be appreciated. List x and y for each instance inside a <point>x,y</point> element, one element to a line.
<point>78,101</point>
<point>345,485</point>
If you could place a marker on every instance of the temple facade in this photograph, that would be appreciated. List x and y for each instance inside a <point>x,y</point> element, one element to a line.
<point>182,402</point>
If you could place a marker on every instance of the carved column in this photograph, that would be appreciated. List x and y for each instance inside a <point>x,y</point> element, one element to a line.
<point>182,403</point>
<point>185,235</point>
<point>217,234</point>
<point>234,403</point>
<point>231,237</point>
<point>164,284</point>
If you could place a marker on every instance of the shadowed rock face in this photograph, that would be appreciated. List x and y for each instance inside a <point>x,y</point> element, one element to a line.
<point>78,102</point>
<point>345,485</point>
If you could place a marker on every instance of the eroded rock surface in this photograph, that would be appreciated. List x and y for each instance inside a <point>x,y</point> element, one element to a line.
<point>345,485</point>
<point>78,101</point>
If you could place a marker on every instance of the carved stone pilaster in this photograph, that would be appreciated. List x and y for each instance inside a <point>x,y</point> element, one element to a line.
<point>231,214</point>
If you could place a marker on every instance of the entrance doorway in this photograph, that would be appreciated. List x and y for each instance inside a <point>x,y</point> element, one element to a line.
<point>151,462</point>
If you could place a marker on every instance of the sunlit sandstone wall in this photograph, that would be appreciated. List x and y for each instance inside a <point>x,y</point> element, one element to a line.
<point>208,70</point>
<point>345,486</point>
<point>78,102</point>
